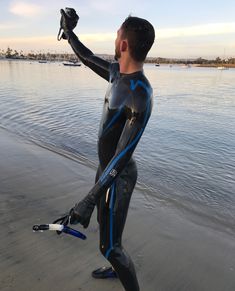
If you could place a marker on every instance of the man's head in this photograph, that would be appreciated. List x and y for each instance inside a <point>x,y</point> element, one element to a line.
<point>137,35</point>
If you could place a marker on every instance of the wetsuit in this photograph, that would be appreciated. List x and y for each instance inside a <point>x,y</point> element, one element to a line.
<point>127,108</point>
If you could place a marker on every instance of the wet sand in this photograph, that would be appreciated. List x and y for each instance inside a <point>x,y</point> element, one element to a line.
<point>171,251</point>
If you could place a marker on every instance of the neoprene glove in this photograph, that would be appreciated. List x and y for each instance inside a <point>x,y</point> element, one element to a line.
<point>82,211</point>
<point>68,21</point>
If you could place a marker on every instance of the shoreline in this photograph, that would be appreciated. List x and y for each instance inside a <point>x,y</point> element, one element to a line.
<point>229,66</point>
<point>170,252</point>
<point>199,214</point>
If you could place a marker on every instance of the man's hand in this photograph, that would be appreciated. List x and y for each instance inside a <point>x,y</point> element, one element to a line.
<point>64,220</point>
<point>68,21</point>
<point>82,211</point>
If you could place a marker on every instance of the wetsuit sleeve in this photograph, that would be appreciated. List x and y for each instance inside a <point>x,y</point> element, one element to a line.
<point>97,64</point>
<point>131,134</point>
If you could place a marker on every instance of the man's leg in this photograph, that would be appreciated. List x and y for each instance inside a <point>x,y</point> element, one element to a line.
<point>112,215</point>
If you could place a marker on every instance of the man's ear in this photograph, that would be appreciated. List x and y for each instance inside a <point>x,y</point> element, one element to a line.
<point>123,46</point>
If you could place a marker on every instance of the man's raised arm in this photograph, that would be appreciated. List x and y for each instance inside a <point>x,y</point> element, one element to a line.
<point>97,64</point>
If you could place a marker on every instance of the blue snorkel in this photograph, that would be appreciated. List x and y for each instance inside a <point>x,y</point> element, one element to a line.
<point>59,228</point>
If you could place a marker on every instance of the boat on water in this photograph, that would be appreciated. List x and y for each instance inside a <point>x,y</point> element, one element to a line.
<point>157,65</point>
<point>71,64</point>
<point>42,61</point>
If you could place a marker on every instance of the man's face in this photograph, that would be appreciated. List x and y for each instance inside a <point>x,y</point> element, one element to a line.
<point>117,45</point>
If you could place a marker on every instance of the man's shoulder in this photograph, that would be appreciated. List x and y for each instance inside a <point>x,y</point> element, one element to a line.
<point>141,93</point>
<point>140,85</point>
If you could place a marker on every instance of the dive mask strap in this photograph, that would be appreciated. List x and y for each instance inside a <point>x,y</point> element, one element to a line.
<point>59,36</point>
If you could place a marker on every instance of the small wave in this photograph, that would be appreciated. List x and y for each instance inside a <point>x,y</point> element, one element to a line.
<point>198,212</point>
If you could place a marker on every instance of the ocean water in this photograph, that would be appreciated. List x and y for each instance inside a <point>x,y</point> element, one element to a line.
<point>186,157</point>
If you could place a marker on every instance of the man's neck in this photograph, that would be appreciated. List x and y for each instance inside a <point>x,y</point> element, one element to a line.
<point>128,66</point>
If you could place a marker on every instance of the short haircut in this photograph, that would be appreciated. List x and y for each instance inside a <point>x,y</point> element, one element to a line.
<point>140,35</point>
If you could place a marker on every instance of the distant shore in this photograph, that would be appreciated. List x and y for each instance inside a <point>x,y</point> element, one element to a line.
<point>215,65</point>
<point>12,54</point>
<point>147,62</point>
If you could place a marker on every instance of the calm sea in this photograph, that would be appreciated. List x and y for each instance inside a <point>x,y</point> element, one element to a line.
<point>186,157</point>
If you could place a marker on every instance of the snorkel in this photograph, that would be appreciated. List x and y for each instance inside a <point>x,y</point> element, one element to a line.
<point>59,228</point>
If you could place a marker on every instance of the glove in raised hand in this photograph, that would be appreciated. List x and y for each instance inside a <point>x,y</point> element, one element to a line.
<point>68,21</point>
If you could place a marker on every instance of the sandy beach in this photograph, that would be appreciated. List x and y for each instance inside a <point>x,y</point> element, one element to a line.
<point>172,252</point>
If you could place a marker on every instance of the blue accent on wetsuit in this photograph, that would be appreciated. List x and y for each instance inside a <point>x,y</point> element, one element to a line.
<point>113,120</point>
<point>127,108</point>
<point>108,169</point>
<point>138,82</point>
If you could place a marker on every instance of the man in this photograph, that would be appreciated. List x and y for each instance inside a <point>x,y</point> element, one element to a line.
<point>127,108</point>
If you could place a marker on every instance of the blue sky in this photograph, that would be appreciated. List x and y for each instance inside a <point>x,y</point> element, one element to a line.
<point>183,28</point>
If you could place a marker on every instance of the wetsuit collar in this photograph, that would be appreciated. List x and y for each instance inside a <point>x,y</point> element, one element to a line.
<point>131,74</point>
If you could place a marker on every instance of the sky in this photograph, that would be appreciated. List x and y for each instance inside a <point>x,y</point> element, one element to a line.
<point>184,29</point>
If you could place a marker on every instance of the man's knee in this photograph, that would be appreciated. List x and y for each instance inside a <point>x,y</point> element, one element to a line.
<point>105,251</point>
<point>111,251</point>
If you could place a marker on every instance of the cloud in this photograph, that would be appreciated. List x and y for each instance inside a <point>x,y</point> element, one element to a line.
<point>28,43</point>
<point>168,33</point>
<point>94,38</point>
<point>25,9</point>
<point>98,37</point>
<point>177,42</point>
<point>102,43</point>
<point>5,26</point>
<point>197,30</point>
<point>199,49</point>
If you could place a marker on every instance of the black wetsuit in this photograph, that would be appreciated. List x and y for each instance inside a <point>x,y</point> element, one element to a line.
<point>127,108</point>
